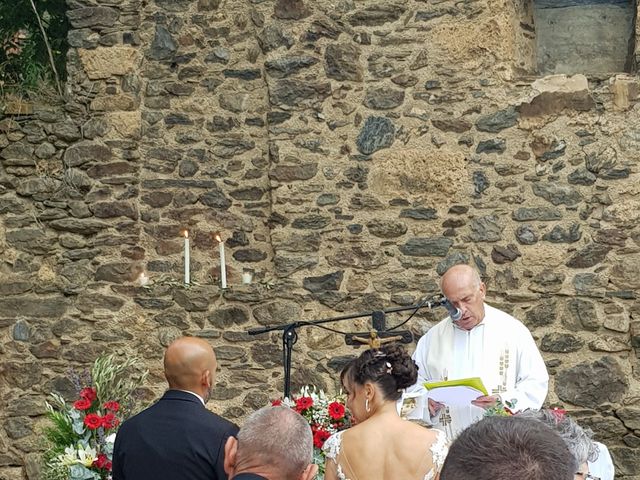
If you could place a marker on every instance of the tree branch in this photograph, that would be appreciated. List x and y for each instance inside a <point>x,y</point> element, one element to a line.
<point>49,51</point>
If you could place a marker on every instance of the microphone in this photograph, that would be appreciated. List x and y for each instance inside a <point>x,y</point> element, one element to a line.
<point>454,312</point>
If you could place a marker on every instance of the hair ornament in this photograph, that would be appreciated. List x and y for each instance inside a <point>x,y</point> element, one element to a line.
<point>389,367</point>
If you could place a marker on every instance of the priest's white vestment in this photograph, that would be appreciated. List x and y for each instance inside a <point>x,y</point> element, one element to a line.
<point>500,350</point>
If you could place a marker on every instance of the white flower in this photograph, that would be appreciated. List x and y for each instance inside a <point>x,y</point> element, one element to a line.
<point>82,455</point>
<point>110,438</point>
<point>288,402</point>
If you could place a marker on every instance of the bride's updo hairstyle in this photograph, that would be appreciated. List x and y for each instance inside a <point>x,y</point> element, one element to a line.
<point>390,367</point>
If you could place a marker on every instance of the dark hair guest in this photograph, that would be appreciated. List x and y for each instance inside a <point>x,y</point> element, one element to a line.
<point>505,448</point>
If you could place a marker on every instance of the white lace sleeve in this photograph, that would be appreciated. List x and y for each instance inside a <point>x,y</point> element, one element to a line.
<point>439,450</point>
<point>331,447</point>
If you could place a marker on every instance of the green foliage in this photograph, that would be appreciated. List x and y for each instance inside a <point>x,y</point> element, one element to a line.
<point>114,379</point>
<point>57,435</point>
<point>60,433</point>
<point>79,435</point>
<point>501,409</point>
<point>24,60</point>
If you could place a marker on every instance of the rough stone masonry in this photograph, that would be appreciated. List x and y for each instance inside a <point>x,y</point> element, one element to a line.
<point>347,152</point>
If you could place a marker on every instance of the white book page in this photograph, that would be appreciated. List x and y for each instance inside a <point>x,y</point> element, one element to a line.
<point>460,396</point>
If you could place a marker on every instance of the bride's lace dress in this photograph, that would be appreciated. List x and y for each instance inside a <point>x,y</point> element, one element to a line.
<point>438,449</point>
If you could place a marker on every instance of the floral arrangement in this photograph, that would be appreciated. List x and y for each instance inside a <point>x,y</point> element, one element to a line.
<point>326,415</point>
<point>81,435</point>
<point>501,409</point>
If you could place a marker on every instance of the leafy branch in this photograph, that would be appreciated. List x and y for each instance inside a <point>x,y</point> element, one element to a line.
<point>48,46</point>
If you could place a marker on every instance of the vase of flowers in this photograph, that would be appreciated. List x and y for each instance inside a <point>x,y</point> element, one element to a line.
<point>325,414</point>
<point>81,434</point>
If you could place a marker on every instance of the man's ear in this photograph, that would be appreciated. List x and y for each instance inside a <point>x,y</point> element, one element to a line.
<point>230,453</point>
<point>310,472</point>
<point>207,380</point>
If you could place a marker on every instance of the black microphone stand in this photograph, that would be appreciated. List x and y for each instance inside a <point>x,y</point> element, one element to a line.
<point>290,336</point>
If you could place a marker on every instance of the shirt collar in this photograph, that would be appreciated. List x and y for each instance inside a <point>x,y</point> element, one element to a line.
<point>193,393</point>
<point>481,324</point>
<point>455,325</point>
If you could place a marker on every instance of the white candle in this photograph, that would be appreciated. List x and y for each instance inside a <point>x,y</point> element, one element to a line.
<point>187,260</point>
<point>223,267</point>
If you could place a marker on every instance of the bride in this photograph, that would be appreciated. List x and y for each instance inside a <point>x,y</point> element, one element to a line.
<point>382,446</point>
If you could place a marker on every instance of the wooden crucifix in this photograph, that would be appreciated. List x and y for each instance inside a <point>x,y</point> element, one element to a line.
<point>378,335</point>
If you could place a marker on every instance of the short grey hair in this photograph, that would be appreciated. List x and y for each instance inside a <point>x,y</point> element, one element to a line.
<point>578,439</point>
<point>475,274</point>
<point>279,437</point>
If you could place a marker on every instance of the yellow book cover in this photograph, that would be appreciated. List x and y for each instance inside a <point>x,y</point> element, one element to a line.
<point>474,382</point>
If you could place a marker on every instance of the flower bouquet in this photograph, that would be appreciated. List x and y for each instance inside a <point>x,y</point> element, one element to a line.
<point>325,415</point>
<point>501,409</point>
<point>81,435</point>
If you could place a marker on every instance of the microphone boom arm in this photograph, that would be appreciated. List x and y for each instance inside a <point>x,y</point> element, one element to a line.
<point>290,336</point>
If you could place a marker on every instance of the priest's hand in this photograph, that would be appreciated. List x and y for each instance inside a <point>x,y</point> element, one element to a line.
<point>434,407</point>
<point>485,401</point>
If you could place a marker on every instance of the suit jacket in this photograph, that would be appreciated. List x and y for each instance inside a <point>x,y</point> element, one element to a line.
<point>177,438</point>
<point>248,476</point>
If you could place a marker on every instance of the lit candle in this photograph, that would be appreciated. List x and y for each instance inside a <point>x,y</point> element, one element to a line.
<point>223,267</point>
<point>187,268</point>
<point>143,279</point>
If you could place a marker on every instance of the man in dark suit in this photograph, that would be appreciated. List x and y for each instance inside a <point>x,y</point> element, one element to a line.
<point>177,438</point>
<point>275,443</point>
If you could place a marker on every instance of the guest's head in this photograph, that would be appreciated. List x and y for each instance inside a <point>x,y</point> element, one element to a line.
<point>504,448</point>
<point>462,285</point>
<point>190,364</point>
<point>577,439</point>
<point>274,442</point>
<point>377,377</point>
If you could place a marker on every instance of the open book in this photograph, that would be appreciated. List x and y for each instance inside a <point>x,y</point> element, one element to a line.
<point>456,393</point>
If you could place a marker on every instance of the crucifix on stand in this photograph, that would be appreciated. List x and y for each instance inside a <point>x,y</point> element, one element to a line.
<point>378,335</point>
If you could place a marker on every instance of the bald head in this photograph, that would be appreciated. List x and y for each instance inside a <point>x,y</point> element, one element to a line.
<point>190,364</point>
<point>462,285</point>
<point>460,275</point>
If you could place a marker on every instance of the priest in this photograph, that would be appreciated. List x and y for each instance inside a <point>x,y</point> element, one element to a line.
<point>484,342</point>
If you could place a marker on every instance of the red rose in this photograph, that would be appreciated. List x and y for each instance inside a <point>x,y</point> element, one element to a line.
<point>336,410</point>
<point>88,393</point>
<point>276,403</point>
<point>108,467</point>
<point>304,403</point>
<point>320,437</point>
<point>102,461</point>
<point>93,421</point>
<point>109,421</point>
<point>112,406</point>
<point>82,404</point>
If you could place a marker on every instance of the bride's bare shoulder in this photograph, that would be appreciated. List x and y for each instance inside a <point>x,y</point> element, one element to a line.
<point>422,432</point>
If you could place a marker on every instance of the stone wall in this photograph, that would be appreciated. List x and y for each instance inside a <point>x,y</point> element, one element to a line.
<point>601,30</point>
<point>347,152</point>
